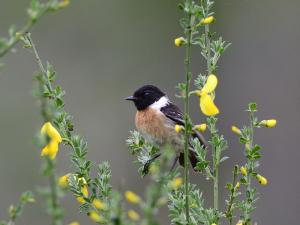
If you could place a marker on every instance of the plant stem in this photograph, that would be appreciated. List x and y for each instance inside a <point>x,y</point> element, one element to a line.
<point>207,38</point>
<point>216,187</point>
<point>250,168</point>
<point>216,152</point>
<point>23,31</point>
<point>187,62</point>
<point>11,222</point>
<point>54,199</point>
<point>56,210</point>
<point>229,211</point>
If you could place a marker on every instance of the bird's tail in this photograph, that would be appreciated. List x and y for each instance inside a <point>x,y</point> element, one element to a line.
<point>192,157</point>
<point>192,154</point>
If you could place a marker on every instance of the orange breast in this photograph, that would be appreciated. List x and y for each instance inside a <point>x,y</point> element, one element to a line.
<point>151,125</point>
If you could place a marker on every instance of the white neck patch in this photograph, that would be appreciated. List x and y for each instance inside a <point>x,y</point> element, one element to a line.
<point>162,102</point>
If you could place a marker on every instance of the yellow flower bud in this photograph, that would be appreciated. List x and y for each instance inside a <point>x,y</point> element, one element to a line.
<point>240,222</point>
<point>262,180</point>
<point>133,215</point>
<point>179,41</point>
<point>268,123</point>
<point>63,3</point>
<point>238,185</point>
<point>201,127</point>
<point>63,181</point>
<point>96,217</point>
<point>74,223</point>
<point>85,193</point>
<point>179,128</point>
<point>98,204</point>
<point>243,171</point>
<point>176,183</point>
<point>132,197</point>
<point>213,224</point>
<point>207,20</point>
<point>236,130</point>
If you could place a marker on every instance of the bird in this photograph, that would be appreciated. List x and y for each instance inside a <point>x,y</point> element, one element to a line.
<point>156,118</point>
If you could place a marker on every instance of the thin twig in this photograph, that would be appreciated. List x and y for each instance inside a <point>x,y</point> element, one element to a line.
<point>186,112</point>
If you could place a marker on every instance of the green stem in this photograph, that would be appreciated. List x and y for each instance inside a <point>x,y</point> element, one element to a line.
<point>207,38</point>
<point>11,222</point>
<point>187,63</point>
<point>56,210</point>
<point>56,215</point>
<point>216,188</point>
<point>250,168</point>
<point>230,208</point>
<point>216,152</point>
<point>23,31</point>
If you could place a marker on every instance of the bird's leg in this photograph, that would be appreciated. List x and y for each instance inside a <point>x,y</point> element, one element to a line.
<point>155,157</point>
<point>148,163</point>
<point>174,163</point>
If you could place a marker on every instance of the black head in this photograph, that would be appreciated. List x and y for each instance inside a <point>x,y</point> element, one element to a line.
<point>145,96</point>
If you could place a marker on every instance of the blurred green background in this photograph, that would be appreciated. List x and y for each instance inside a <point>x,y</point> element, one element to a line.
<point>104,50</point>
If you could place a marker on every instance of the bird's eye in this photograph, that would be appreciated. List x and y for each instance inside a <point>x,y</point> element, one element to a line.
<point>147,93</point>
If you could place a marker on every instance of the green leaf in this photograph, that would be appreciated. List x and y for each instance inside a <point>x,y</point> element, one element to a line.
<point>202,165</point>
<point>224,158</point>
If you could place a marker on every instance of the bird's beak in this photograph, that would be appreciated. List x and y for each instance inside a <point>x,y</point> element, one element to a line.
<point>131,98</point>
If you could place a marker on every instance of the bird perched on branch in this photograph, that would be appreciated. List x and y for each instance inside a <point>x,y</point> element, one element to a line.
<point>156,118</point>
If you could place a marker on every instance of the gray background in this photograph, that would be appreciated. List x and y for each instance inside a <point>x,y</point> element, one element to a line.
<point>103,50</point>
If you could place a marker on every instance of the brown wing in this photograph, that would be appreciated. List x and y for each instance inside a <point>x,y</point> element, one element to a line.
<point>174,113</point>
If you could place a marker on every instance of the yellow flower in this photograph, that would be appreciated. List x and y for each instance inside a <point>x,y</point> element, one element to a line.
<point>63,3</point>
<point>213,224</point>
<point>74,223</point>
<point>238,185</point>
<point>201,127</point>
<point>51,148</point>
<point>99,204</point>
<point>243,171</point>
<point>132,197</point>
<point>176,183</point>
<point>268,123</point>
<point>63,181</point>
<point>85,193</point>
<point>211,84</point>
<point>236,130</point>
<point>48,129</point>
<point>262,180</point>
<point>133,215</point>
<point>178,128</point>
<point>207,104</point>
<point>179,41</point>
<point>96,217</point>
